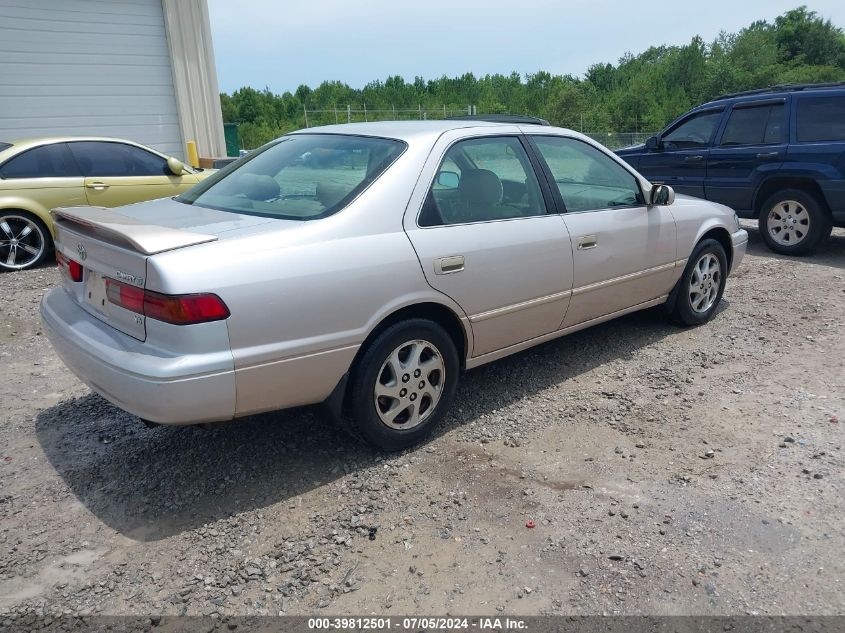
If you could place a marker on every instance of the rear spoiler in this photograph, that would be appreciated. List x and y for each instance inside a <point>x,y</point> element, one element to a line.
<point>112,226</point>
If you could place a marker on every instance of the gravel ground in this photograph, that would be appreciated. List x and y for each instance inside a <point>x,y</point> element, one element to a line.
<point>664,471</point>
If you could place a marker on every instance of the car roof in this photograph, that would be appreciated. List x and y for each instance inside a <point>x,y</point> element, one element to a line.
<point>26,143</point>
<point>402,130</point>
<point>782,90</point>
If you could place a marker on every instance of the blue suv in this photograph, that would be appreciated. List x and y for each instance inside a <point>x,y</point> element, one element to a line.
<point>777,155</point>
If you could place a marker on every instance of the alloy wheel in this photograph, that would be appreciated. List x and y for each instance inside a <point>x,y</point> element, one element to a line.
<point>788,223</point>
<point>21,242</point>
<point>409,385</point>
<point>705,281</point>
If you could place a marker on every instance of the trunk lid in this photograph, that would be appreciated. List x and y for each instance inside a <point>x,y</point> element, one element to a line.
<point>116,244</point>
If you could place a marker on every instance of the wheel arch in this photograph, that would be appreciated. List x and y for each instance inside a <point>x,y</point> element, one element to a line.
<point>338,402</point>
<point>721,235</point>
<point>22,205</point>
<point>772,185</point>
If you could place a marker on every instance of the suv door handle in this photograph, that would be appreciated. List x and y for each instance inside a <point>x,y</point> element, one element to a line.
<point>691,159</point>
<point>99,186</point>
<point>446,265</point>
<point>768,155</point>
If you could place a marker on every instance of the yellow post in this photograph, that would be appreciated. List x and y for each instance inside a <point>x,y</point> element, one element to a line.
<point>193,157</point>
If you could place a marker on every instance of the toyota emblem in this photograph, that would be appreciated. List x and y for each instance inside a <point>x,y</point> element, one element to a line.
<point>82,252</point>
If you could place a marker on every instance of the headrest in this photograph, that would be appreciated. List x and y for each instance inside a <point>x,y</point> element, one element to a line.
<point>480,187</point>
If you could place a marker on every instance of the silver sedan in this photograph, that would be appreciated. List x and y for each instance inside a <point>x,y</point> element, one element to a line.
<point>366,266</point>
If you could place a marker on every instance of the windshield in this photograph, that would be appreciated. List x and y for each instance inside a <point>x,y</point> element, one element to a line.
<point>300,177</point>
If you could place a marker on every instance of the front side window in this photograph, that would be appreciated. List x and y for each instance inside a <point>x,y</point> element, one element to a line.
<point>756,125</point>
<point>821,119</point>
<point>587,178</point>
<point>483,179</point>
<point>100,159</point>
<point>693,132</point>
<point>301,177</point>
<point>47,161</point>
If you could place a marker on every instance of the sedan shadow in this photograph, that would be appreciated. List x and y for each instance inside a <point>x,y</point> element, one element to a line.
<point>150,483</point>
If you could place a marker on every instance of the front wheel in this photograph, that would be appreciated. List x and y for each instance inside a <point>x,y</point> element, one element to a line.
<point>403,384</point>
<point>793,222</point>
<point>702,284</point>
<point>24,240</point>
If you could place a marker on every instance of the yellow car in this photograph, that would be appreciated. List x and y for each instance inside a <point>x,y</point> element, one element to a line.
<point>37,175</point>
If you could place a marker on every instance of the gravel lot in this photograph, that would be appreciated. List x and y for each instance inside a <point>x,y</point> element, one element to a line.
<point>666,471</point>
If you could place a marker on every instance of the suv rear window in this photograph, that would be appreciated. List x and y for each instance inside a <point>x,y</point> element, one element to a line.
<point>300,177</point>
<point>821,119</point>
<point>754,125</point>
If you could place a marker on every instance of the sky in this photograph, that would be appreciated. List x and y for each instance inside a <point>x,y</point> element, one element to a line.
<point>281,44</point>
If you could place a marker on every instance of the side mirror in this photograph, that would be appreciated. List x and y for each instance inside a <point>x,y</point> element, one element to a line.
<point>176,167</point>
<point>448,179</point>
<point>663,195</point>
<point>652,144</point>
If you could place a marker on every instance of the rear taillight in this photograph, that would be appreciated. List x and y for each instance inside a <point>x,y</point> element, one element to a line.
<point>73,269</point>
<point>175,309</point>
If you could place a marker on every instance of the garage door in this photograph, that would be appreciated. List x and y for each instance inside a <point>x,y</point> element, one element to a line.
<point>87,67</point>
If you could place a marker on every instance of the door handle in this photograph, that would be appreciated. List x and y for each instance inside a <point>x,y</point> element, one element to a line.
<point>446,265</point>
<point>768,155</point>
<point>586,242</point>
<point>99,186</point>
<point>693,159</point>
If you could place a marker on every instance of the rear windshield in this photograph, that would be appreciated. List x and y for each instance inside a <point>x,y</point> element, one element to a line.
<point>300,177</point>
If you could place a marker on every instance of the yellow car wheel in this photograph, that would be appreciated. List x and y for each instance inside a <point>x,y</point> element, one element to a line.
<point>24,240</point>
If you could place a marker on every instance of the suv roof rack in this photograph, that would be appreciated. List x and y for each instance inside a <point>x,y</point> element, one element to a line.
<point>501,118</point>
<point>781,88</point>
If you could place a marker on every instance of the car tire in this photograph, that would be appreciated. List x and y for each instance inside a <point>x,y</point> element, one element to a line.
<point>403,384</point>
<point>794,222</point>
<point>25,240</point>
<point>701,285</point>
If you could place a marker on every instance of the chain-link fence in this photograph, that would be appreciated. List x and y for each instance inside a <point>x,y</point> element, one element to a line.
<point>349,114</point>
<point>618,140</point>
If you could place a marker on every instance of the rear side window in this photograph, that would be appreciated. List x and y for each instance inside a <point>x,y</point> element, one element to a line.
<point>821,119</point>
<point>4,146</point>
<point>755,125</point>
<point>100,159</point>
<point>47,161</point>
<point>483,179</point>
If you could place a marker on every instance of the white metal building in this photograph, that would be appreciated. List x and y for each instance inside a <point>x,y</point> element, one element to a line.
<point>136,69</point>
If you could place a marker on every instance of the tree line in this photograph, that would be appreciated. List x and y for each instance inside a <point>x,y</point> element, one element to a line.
<point>639,93</point>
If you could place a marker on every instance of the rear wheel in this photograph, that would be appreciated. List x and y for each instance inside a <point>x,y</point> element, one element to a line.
<point>404,383</point>
<point>24,240</point>
<point>794,222</point>
<point>702,284</point>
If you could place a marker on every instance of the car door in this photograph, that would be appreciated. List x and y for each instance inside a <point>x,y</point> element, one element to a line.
<point>120,173</point>
<point>46,174</point>
<point>751,145</point>
<point>623,250</point>
<point>484,237</point>
<point>680,159</point>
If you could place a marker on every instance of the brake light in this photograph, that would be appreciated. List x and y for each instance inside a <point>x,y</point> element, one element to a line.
<point>175,309</point>
<point>73,269</point>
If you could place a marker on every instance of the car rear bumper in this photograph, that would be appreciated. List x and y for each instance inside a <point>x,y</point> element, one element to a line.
<point>157,386</point>
<point>739,241</point>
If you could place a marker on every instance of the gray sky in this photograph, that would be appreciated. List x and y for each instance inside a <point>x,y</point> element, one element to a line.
<point>284,43</point>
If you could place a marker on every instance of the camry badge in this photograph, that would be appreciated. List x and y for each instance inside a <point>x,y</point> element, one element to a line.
<point>82,252</point>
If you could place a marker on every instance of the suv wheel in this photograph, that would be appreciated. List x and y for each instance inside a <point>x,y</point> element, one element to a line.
<point>24,240</point>
<point>794,222</point>
<point>403,384</point>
